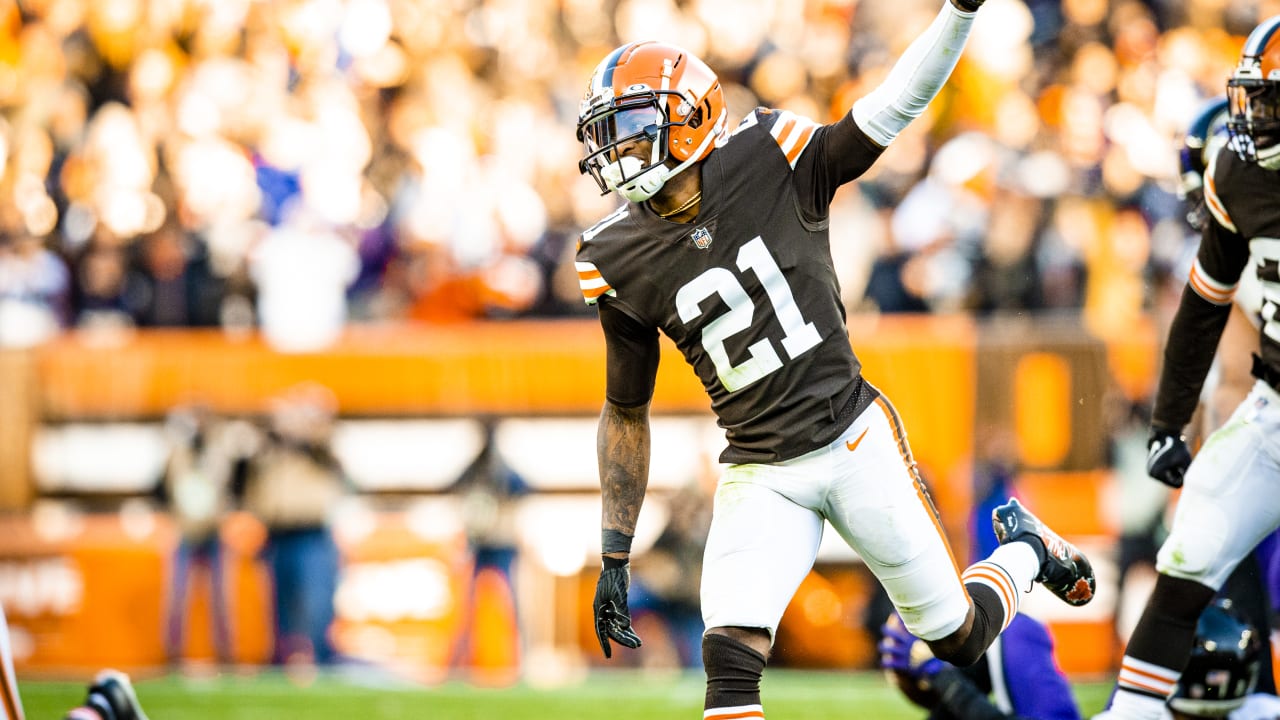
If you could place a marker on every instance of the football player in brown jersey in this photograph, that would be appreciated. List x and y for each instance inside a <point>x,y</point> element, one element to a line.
<point>1228,502</point>
<point>723,246</point>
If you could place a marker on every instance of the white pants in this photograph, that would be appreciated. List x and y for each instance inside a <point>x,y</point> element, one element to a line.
<point>768,521</point>
<point>1230,500</point>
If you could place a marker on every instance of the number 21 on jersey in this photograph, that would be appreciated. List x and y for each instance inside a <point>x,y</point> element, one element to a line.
<point>799,335</point>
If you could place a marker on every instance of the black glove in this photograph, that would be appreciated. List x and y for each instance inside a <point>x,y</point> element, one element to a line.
<point>968,5</point>
<point>1167,457</point>
<point>613,619</point>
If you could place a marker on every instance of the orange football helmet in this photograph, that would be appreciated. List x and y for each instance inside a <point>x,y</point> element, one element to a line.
<point>655,92</point>
<point>1254,96</point>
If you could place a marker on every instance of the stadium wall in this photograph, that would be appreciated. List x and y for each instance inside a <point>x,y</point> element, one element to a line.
<point>85,589</point>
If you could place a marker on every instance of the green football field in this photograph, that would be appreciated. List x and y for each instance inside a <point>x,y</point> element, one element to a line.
<point>788,695</point>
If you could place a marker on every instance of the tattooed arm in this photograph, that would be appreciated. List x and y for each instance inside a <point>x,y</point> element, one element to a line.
<point>622,448</point>
<point>622,444</point>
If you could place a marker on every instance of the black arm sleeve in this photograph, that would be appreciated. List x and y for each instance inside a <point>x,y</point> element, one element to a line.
<point>632,355</point>
<point>840,152</point>
<point>963,700</point>
<point>1188,353</point>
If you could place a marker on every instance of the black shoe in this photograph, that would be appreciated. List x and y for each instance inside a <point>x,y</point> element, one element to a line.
<point>111,691</point>
<point>1065,571</point>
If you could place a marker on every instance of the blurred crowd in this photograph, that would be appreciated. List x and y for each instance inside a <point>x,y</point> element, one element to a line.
<point>301,164</point>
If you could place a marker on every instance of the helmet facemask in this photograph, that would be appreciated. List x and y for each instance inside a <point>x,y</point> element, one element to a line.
<point>1253,96</point>
<point>607,131</point>
<point>1255,119</point>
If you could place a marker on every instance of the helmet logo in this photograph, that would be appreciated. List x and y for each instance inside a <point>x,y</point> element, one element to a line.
<point>701,238</point>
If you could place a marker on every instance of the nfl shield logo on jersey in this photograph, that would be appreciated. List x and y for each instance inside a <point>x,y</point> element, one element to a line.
<point>701,238</point>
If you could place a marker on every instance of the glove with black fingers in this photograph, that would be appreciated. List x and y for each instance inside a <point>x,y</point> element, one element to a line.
<point>1167,456</point>
<point>968,5</point>
<point>613,618</point>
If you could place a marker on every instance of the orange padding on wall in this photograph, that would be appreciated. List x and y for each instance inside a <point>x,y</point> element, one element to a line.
<point>509,367</point>
<point>1069,502</point>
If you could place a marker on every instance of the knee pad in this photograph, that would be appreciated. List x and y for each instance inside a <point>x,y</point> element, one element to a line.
<point>1198,547</point>
<point>733,671</point>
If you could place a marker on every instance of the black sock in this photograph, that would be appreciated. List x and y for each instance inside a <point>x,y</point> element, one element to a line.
<point>1167,628</point>
<point>988,621</point>
<point>733,672</point>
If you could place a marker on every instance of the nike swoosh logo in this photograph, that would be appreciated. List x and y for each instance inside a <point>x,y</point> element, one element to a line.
<point>854,444</point>
<point>1157,451</point>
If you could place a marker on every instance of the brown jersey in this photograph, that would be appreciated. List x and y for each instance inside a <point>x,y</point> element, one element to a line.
<point>748,292</point>
<point>1244,199</point>
<point>1244,236</point>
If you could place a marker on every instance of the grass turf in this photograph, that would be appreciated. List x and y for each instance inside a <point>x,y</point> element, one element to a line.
<point>788,695</point>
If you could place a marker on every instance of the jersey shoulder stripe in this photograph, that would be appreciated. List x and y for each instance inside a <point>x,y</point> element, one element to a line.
<point>1211,199</point>
<point>590,279</point>
<point>1206,287</point>
<point>613,217</point>
<point>592,282</point>
<point>792,133</point>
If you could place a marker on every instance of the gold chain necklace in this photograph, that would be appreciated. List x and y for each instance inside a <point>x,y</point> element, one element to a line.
<point>687,204</point>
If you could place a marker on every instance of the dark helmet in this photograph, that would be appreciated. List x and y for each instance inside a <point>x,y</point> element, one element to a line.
<point>1254,93</point>
<point>1224,664</point>
<point>1205,135</point>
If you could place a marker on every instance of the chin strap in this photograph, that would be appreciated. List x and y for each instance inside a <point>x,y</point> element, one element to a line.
<point>648,183</point>
<point>1269,158</point>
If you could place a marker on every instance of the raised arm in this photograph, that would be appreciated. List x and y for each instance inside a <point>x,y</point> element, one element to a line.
<point>918,75</point>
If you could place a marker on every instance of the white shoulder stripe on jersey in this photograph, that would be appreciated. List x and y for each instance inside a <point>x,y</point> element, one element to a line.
<point>749,121</point>
<point>1211,199</point>
<point>592,282</point>
<point>610,219</point>
<point>792,133</point>
<point>783,122</point>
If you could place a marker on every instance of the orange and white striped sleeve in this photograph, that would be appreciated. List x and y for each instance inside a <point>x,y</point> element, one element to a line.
<point>593,283</point>
<point>1204,285</point>
<point>1214,203</point>
<point>792,133</point>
